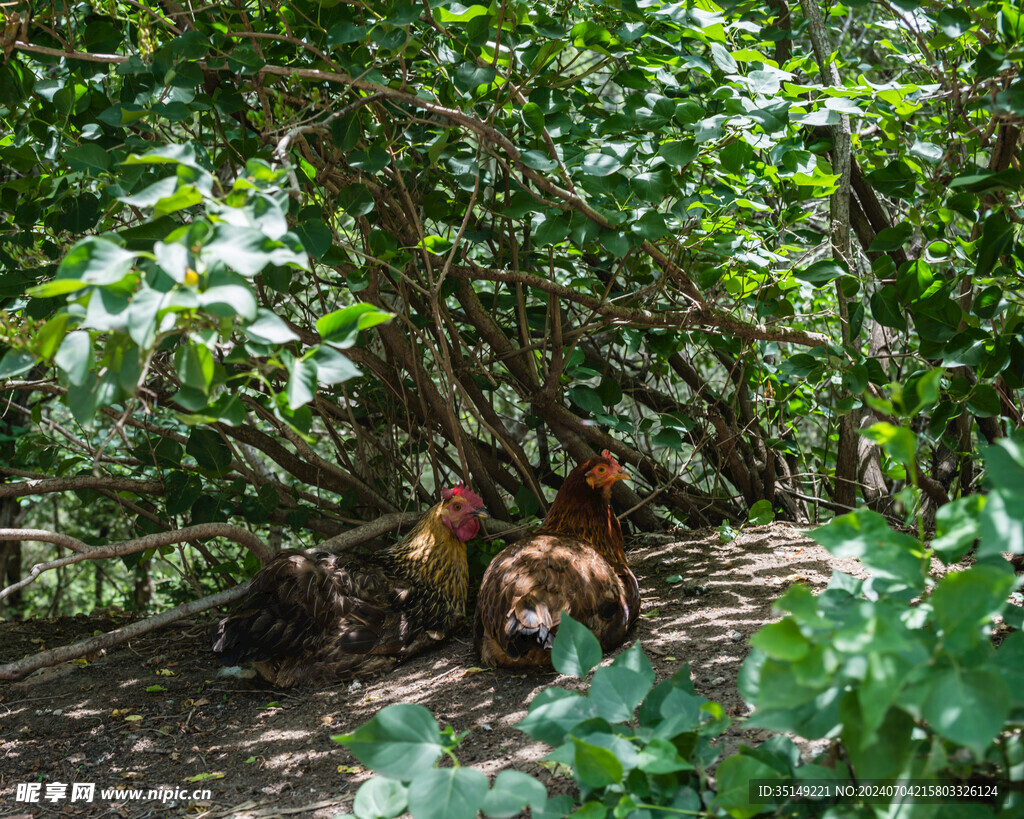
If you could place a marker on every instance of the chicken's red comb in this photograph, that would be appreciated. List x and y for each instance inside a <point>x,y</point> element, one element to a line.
<point>465,492</point>
<point>608,456</point>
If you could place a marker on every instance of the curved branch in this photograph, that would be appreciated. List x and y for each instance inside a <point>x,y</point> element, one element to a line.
<point>53,656</point>
<point>127,547</point>
<point>368,531</point>
<point>45,536</point>
<point>46,485</point>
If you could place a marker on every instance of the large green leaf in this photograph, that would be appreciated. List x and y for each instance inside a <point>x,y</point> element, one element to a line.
<point>967,706</point>
<point>866,535</point>
<point>447,793</point>
<point>209,449</point>
<point>342,327</point>
<point>402,741</point>
<point>594,766</point>
<point>553,713</point>
<point>964,604</point>
<point>576,649</point>
<point>616,691</point>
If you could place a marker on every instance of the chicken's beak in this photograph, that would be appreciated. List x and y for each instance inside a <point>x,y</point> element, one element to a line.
<point>480,513</point>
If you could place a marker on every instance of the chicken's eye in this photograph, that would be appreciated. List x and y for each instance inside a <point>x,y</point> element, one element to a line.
<point>600,470</point>
<point>456,507</point>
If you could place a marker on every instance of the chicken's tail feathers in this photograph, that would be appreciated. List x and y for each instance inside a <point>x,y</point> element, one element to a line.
<point>253,635</point>
<point>285,601</point>
<point>531,624</point>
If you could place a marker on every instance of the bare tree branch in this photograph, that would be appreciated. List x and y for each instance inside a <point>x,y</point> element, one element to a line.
<point>53,656</point>
<point>44,486</point>
<point>127,547</point>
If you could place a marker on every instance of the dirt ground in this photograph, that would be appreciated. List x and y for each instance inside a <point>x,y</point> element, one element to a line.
<point>155,714</point>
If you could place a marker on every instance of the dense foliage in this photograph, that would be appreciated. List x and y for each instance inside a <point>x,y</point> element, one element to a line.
<point>294,263</point>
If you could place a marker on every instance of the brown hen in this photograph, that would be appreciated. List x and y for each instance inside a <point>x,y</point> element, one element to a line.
<point>575,562</point>
<point>328,618</point>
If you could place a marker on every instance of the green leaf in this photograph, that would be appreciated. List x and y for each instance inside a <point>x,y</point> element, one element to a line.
<point>16,362</point>
<point>733,777</point>
<point>653,187</point>
<point>269,329</point>
<point>194,365</point>
<point>965,603</point>
<point>88,158</point>
<point>967,706</point>
<point>659,756</point>
<point>95,260</point>
<point>576,649</point>
<point>892,238</point>
<point>1002,526</point>
<point>447,793</point>
<point>553,713</point>
<point>984,401</point>
<point>380,798</point>
<point>356,200</point>
<point>182,490</point>
<point>957,527</point>
<point>74,356</point>
<point>669,438</point>
<point>248,250</point>
<point>616,691</point>
<point>333,367</point>
<point>302,380</point>
<point>533,116</point>
<point>228,295</point>
<point>315,236</point>
<point>636,660</point>
<point>898,442</point>
<point>594,766</point>
<point>995,240</point>
<point>586,398</point>
<point>600,164</point>
<point>341,328</point>
<point>402,741</point>
<point>887,310</point>
<point>821,272</point>
<point>589,810</point>
<point>865,535</point>
<point>782,641</point>
<point>761,513</point>
<point>511,792</point>
<point>678,154</point>
<point>209,450</point>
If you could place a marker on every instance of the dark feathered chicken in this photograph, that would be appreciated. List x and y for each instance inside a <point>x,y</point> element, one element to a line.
<point>329,618</point>
<point>575,562</point>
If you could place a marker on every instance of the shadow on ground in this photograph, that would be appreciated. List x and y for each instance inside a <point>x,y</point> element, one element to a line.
<point>154,714</point>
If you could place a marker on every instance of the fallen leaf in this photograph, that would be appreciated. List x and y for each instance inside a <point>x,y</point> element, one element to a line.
<point>202,777</point>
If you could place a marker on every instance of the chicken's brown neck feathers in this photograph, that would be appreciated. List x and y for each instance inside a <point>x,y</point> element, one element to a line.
<point>582,511</point>
<point>432,553</point>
